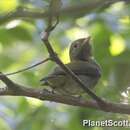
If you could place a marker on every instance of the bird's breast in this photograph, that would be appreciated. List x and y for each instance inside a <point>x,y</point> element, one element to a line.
<point>73,88</point>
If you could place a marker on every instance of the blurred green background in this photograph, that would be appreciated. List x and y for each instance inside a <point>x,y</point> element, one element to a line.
<point>20,46</point>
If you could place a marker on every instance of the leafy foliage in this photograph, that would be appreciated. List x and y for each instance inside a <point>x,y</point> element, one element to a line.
<point>20,46</point>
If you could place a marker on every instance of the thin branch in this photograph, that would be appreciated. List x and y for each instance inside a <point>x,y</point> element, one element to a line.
<point>14,89</point>
<point>71,11</point>
<point>68,71</point>
<point>45,35</point>
<point>27,68</point>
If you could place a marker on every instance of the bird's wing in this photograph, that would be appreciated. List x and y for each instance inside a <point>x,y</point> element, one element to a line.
<point>81,68</point>
<point>91,69</point>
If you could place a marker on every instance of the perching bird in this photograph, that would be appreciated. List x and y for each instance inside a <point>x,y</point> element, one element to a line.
<point>82,64</point>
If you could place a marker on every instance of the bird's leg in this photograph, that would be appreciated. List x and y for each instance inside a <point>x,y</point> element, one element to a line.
<point>78,96</point>
<point>53,90</point>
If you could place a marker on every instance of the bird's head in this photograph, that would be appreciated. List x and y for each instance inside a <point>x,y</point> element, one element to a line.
<point>81,49</point>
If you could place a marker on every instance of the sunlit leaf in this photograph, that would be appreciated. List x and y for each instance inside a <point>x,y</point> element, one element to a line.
<point>76,33</point>
<point>117,45</point>
<point>8,5</point>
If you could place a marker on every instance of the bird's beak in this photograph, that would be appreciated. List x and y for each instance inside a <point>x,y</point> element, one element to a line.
<point>87,40</point>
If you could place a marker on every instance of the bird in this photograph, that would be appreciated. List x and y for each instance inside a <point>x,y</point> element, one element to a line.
<point>82,63</point>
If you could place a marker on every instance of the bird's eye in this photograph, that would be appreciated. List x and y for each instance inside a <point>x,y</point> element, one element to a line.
<point>76,45</point>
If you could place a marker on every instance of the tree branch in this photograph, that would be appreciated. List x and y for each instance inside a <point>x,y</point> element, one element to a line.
<point>71,11</point>
<point>14,89</point>
<point>45,36</point>
<point>28,68</point>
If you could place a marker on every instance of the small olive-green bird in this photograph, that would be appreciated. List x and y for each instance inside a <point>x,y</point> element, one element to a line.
<point>82,64</point>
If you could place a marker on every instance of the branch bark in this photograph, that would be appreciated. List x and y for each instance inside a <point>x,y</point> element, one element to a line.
<point>70,11</point>
<point>15,89</point>
<point>45,38</point>
<point>56,59</point>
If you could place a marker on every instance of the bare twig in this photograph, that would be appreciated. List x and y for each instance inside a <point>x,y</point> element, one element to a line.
<point>67,70</point>
<point>27,68</point>
<point>54,56</point>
